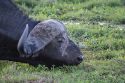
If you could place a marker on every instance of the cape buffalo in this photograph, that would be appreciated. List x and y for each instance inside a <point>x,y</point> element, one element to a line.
<point>35,42</point>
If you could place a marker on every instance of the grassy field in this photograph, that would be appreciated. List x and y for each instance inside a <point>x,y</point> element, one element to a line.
<point>97,26</point>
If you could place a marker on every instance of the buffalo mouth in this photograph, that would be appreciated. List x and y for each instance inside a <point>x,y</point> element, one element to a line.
<point>59,62</point>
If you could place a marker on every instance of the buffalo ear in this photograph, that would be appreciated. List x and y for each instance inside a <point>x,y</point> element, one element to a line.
<point>22,39</point>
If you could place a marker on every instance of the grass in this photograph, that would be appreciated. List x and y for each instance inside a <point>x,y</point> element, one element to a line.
<point>80,10</point>
<point>97,26</point>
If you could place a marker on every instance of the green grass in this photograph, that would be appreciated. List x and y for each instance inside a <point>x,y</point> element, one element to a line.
<point>80,10</point>
<point>97,26</point>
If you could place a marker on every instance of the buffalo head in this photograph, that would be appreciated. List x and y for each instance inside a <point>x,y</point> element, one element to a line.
<point>49,39</point>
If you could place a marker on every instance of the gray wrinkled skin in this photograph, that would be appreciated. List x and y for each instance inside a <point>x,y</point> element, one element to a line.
<point>45,32</point>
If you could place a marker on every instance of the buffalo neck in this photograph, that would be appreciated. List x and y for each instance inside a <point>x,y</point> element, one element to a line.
<point>13,20</point>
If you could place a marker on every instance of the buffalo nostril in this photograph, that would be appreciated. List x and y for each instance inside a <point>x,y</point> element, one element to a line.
<point>80,58</point>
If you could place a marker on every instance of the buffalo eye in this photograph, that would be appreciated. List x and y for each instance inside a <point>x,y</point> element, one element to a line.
<point>60,40</point>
